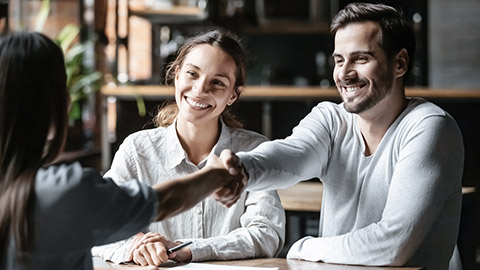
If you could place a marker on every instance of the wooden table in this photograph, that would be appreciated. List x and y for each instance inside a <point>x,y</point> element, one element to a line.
<point>307,196</point>
<point>304,196</point>
<point>282,264</point>
<point>302,203</point>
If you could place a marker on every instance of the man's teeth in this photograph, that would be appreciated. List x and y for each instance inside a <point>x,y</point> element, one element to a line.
<point>195,104</point>
<point>352,88</point>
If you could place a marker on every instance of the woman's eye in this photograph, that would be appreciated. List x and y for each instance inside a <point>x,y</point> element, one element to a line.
<point>192,73</point>
<point>218,83</point>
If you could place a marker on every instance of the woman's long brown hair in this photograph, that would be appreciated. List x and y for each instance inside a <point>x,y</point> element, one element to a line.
<point>33,100</point>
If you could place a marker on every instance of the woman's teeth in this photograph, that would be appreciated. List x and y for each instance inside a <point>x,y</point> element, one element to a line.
<point>196,104</point>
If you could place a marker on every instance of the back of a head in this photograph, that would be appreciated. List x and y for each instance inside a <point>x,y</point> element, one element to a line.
<point>33,99</point>
<point>397,33</point>
<point>33,96</point>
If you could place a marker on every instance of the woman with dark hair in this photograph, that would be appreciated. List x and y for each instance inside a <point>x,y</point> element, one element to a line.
<point>40,204</point>
<point>209,75</point>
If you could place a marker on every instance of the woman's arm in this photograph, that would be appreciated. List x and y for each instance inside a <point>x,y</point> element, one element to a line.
<point>178,195</point>
<point>261,232</point>
<point>183,193</point>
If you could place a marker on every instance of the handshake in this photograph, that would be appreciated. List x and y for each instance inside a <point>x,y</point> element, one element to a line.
<point>230,169</point>
<point>224,178</point>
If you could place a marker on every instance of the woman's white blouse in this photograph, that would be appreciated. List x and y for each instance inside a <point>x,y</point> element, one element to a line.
<point>253,227</point>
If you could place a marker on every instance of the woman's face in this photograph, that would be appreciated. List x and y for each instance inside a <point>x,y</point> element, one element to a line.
<point>204,84</point>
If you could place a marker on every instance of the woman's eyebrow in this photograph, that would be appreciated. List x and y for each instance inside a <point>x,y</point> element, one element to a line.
<point>193,66</point>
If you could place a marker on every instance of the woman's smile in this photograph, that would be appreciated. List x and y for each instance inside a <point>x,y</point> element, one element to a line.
<point>197,104</point>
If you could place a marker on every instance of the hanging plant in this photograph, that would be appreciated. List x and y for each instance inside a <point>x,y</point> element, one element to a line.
<point>81,82</point>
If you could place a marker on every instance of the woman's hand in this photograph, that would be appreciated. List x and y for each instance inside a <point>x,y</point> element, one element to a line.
<point>182,255</point>
<point>150,249</point>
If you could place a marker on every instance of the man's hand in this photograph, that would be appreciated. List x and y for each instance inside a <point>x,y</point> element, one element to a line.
<point>231,192</point>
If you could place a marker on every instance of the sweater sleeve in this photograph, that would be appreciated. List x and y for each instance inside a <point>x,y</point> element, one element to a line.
<point>100,210</point>
<point>122,169</point>
<point>424,195</point>
<point>301,156</point>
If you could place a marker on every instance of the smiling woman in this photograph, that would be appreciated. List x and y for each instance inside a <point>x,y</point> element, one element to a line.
<point>209,75</point>
<point>229,52</point>
<point>204,87</point>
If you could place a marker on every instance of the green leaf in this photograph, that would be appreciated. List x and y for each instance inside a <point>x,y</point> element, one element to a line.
<point>67,35</point>
<point>75,111</point>
<point>142,111</point>
<point>75,53</point>
<point>42,15</point>
<point>83,81</point>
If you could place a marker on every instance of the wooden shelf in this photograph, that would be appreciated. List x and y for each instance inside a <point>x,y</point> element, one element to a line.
<point>284,28</point>
<point>284,92</point>
<point>175,14</point>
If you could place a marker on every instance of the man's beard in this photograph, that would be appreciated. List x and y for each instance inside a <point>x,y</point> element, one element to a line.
<point>373,98</point>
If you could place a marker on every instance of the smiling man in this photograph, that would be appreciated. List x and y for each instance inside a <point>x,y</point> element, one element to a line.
<point>391,166</point>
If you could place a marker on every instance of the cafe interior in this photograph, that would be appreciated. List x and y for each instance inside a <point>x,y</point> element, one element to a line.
<point>124,47</point>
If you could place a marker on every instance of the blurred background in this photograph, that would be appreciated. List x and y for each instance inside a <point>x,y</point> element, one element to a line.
<point>112,44</point>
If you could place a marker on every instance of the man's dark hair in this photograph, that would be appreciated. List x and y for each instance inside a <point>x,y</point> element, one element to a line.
<point>397,33</point>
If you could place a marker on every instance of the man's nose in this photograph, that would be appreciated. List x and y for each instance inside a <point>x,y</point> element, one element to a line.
<point>346,72</point>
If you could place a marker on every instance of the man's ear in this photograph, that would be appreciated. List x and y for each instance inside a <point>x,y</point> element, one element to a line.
<point>401,63</point>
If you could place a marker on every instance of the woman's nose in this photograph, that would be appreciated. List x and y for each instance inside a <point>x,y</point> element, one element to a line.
<point>199,86</point>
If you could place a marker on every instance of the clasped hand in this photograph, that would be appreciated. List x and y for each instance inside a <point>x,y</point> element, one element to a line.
<point>231,192</point>
<point>151,249</point>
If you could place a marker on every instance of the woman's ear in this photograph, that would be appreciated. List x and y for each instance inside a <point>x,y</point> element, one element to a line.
<point>235,95</point>
<point>401,61</point>
<point>176,76</point>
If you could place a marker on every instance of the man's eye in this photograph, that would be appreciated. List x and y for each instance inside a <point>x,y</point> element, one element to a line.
<point>361,59</point>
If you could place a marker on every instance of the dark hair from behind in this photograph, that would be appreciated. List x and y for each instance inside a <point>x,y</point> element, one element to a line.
<point>33,99</point>
<point>219,39</point>
<point>397,33</point>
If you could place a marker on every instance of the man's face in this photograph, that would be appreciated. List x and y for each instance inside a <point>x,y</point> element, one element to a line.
<point>362,72</point>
